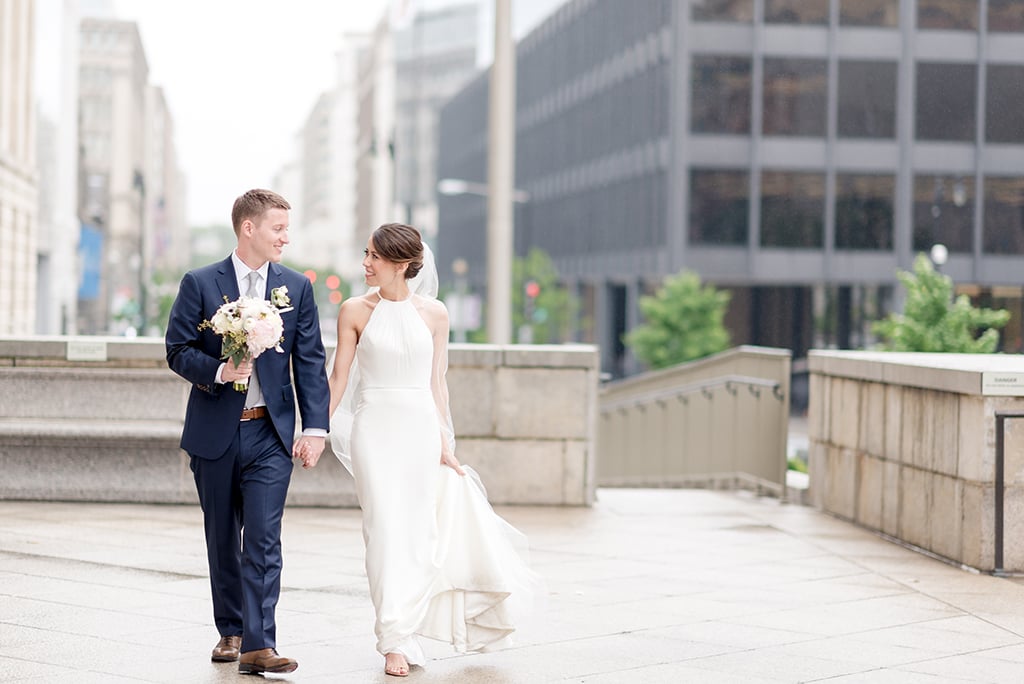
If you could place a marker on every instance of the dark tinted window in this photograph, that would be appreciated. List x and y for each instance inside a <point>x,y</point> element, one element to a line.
<point>945,101</point>
<point>796,11</point>
<point>1006,16</point>
<point>720,100</point>
<point>723,10</point>
<point>792,209</point>
<point>794,97</point>
<point>957,15</point>
<point>1004,109</point>
<point>867,99</point>
<point>864,213</point>
<point>869,13</point>
<point>943,212</point>
<point>1003,231</point>
<point>719,202</point>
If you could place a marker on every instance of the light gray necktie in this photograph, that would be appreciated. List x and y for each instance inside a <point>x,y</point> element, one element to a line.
<point>253,397</point>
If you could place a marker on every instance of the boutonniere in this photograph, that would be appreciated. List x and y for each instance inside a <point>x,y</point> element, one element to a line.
<point>279,298</point>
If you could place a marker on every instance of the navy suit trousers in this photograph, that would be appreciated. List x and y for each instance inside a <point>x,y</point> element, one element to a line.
<point>242,495</point>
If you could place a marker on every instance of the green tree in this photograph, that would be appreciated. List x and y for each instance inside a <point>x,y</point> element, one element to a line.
<point>932,321</point>
<point>683,321</point>
<point>550,314</point>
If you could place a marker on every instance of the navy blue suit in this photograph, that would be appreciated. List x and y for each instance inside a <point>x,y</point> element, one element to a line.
<point>242,469</point>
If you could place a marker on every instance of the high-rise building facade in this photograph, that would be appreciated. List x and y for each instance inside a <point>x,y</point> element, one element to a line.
<point>113,97</point>
<point>167,237</point>
<point>18,170</point>
<point>375,130</point>
<point>795,152</point>
<point>58,225</point>
<point>435,55</point>
<point>319,180</point>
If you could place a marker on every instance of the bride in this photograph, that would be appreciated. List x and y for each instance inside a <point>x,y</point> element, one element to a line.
<point>439,561</point>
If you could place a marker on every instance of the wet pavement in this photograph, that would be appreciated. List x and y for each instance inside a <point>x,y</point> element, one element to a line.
<point>646,586</point>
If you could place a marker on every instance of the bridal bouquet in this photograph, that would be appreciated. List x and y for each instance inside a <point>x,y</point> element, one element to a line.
<point>248,327</point>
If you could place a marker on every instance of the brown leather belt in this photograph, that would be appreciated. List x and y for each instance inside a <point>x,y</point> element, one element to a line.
<point>254,413</point>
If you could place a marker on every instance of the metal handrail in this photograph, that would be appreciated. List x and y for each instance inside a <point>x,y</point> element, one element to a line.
<point>680,393</point>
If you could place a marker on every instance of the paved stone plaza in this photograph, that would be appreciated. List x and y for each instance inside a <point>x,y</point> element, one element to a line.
<point>647,586</point>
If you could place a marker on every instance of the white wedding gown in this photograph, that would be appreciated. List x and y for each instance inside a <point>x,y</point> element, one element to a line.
<point>440,562</point>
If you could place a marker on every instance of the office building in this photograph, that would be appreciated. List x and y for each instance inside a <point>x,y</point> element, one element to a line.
<point>794,152</point>
<point>113,93</point>
<point>18,170</point>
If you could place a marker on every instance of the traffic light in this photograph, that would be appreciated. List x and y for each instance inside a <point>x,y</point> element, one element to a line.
<point>532,289</point>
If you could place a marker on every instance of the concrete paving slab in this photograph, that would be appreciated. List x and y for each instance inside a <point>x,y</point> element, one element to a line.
<point>646,586</point>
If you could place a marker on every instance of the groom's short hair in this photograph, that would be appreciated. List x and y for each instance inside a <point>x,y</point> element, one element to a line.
<point>253,204</point>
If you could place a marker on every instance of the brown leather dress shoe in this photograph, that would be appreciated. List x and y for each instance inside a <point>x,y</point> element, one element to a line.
<point>265,660</point>
<point>226,650</point>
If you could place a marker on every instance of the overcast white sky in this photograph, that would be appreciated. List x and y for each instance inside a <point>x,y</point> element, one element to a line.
<point>239,76</point>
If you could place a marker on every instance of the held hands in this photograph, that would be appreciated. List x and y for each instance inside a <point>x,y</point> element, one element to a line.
<point>308,450</point>
<point>449,460</point>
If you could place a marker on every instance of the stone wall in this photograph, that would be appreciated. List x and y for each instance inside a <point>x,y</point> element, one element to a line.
<point>905,444</point>
<point>106,427</point>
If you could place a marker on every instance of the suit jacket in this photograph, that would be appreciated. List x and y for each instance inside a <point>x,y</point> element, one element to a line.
<point>214,410</point>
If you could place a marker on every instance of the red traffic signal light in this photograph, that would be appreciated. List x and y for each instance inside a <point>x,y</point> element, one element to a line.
<point>311,274</point>
<point>532,288</point>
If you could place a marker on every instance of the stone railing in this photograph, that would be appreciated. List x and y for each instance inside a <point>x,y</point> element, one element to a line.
<point>925,448</point>
<point>99,419</point>
<point>721,421</point>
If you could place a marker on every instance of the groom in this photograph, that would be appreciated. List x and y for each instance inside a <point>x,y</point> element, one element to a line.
<point>240,443</point>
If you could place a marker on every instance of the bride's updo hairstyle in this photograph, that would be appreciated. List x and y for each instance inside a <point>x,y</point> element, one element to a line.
<point>400,244</point>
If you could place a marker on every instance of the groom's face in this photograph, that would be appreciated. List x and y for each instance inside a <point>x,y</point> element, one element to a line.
<point>269,235</point>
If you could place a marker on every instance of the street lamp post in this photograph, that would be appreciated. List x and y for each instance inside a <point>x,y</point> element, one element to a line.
<point>458,186</point>
<point>500,173</point>
<point>939,254</point>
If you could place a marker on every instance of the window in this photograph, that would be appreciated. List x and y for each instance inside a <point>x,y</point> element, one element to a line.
<point>719,202</point>
<point>864,211</point>
<point>1004,216</point>
<point>794,97</point>
<point>869,13</point>
<point>945,101</point>
<point>792,209</point>
<point>867,99</point>
<point>1005,102</point>
<point>943,212</point>
<point>796,11</point>
<point>723,10</point>
<point>955,15</point>
<point>720,100</point>
<point>1005,16</point>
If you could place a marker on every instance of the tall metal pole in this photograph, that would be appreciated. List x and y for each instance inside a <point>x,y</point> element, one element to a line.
<point>500,178</point>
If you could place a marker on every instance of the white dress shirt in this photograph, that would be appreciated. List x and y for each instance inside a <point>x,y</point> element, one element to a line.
<point>242,276</point>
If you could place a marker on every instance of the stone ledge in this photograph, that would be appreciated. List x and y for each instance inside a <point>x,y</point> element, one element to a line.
<point>956,373</point>
<point>48,429</point>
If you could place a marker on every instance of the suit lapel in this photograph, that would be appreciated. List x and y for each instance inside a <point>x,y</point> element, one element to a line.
<point>227,281</point>
<point>274,278</point>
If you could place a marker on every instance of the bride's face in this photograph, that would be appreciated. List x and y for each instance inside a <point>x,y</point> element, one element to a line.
<point>378,270</point>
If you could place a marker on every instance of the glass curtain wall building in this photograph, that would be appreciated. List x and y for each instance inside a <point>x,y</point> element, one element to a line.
<point>795,152</point>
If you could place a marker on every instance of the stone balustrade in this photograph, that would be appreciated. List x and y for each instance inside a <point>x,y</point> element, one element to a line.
<point>99,419</point>
<point>907,445</point>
